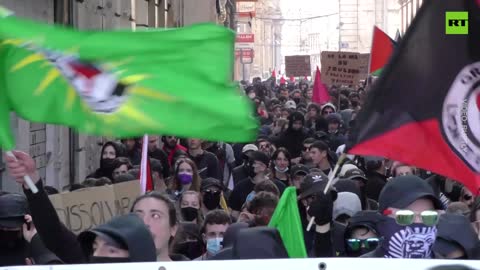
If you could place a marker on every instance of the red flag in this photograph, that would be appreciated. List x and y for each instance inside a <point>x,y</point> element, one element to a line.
<point>273,74</point>
<point>282,80</point>
<point>382,49</point>
<point>146,182</point>
<point>292,79</point>
<point>320,92</point>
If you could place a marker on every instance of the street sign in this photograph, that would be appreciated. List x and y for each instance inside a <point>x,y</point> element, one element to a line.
<point>246,9</point>
<point>244,41</point>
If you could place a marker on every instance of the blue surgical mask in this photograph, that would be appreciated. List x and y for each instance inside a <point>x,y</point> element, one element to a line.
<point>214,245</point>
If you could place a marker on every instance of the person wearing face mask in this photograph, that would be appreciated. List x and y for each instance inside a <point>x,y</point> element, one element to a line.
<point>18,237</point>
<point>185,178</point>
<point>122,239</point>
<point>240,172</point>
<point>189,203</point>
<point>110,151</point>
<point>410,213</point>
<point>211,191</point>
<point>213,230</point>
<point>257,171</point>
<point>292,139</point>
<point>361,236</point>
<point>188,241</point>
<point>456,238</point>
<point>280,166</point>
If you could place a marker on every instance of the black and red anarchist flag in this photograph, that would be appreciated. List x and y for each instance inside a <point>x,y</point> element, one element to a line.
<point>424,110</point>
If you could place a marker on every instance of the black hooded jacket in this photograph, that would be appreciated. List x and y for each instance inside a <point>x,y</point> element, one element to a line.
<point>130,231</point>
<point>104,171</point>
<point>455,230</point>
<point>293,139</point>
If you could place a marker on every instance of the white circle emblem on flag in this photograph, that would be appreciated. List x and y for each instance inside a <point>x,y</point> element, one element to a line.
<point>461,115</point>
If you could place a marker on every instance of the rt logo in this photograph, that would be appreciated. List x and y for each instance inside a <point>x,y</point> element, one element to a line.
<point>456,23</point>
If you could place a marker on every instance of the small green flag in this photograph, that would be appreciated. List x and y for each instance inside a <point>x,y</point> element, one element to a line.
<point>286,219</point>
<point>123,83</point>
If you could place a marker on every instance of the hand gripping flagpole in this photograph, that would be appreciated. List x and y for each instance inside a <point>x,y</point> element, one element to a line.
<point>329,183</point>
<point>26,177</point>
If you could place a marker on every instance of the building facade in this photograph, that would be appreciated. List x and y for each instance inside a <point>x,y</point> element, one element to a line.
<point>357,21</point>
<point>408,10</point>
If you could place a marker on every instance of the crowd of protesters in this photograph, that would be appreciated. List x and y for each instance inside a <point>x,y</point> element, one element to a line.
<point>214,200</point>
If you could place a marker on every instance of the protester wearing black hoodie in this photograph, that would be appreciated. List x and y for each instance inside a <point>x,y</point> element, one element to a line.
<point>110,151</point>
<point>456,238</point>
<point>14,247</point>
<point>326,237</point>
<point>293,137</point>
<point>122,239</point>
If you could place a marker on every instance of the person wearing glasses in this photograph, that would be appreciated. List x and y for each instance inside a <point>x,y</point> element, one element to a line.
<point>410,212</point>
<point>361,235</point>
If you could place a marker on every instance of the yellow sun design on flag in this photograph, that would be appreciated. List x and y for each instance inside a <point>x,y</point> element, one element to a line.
<point>128,110</point>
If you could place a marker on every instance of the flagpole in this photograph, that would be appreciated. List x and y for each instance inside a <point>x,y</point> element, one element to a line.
<point>143,165</point>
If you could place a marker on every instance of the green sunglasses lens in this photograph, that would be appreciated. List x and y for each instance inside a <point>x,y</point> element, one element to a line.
<point>430,218</point>
<point>404,217</point>
<point>354,244</point>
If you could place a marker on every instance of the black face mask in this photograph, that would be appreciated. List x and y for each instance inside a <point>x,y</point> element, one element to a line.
<point>107,163</point>
<point>97,259</point>
<point>354,103</point>
<point>191,249</point>
<point>11,240</point>
<point>189,213</point>
<point>358,253</point>
<point>297,100</point>
<point>249,169</point>
<point>211,200</point>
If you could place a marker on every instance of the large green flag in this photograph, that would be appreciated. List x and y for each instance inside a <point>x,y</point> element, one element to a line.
<point>123,83</point>
<point>286,219</point>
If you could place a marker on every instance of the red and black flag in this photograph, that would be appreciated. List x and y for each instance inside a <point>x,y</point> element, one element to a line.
<point>382,50</point>
<point>424,110</point>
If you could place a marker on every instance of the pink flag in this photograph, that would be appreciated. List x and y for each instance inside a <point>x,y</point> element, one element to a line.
<point>320,92</point>
<point>282,80</point>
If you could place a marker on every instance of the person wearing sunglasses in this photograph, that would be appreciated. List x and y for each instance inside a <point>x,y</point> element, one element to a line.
<point>410,212</point>
<point>361,236</point>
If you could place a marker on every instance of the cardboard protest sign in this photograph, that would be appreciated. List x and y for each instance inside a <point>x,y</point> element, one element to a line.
<point>297,65</point>
<point>86,208</point>
<point>340,68</point>
<point>363,59</point>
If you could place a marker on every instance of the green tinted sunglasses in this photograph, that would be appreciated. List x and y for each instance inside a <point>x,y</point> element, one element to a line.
<point>407,217</point>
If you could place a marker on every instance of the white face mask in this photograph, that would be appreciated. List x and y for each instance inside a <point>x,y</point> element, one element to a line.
<point>281,171</point>
<point>252,95</point>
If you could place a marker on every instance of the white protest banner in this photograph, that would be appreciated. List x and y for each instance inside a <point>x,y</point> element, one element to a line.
<point>340,68</point>
<point>86,208</point>
<point>283,264</point>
